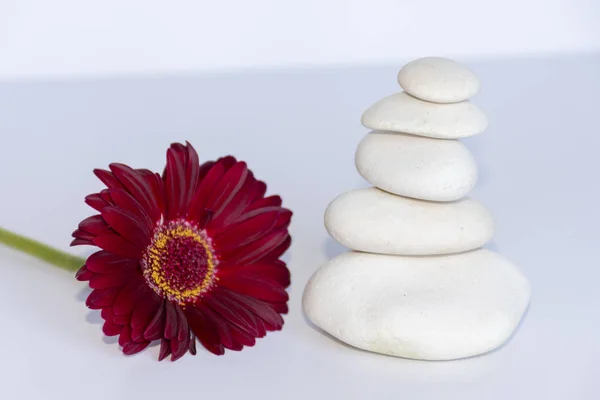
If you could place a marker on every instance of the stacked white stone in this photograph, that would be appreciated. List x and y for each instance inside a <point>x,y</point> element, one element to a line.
<point>418,284</point>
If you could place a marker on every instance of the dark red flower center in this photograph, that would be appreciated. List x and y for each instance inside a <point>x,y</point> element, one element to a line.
<point>179,264</point>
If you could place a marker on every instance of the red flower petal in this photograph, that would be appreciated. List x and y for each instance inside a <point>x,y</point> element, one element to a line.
<point>95,225</point>
<point>243,338</point>
<point>124,319</point>
<point>254,286</point>
<point>107,314</point>
<point>181,178</point>
<point>224,329</point>
<point>179,347</point>
<point>96,201</point>
<point>138,187</point>
<point>81,242</point>
<point>146,308</point>
<point>103,262</point>
<point>247,231</point>
<point>277,252</point>
<point>165,349</point>
<point>183,329</point>
<point>192,345</point>
<point>156,326</point>
<point>206,186</point>
<point>105,281</point>
<point>261,189</point>
<point>233,313</point>
<point>118,245</point>
<point>272,319</point>
<point>227,161</point>
<point>111,329</point>
<point>83,236</point>
<point>175,183</point>
<point>236,206</point>
<point>170,321</point>
<point>125,301</point>
<point>203,170</point>
<point>227,188</point>
<point>281,308</point>
<point>204,330</point>
<point>84,274</point>
<point>134,347</point>
<point>275,271</point>
<point>284,219</point>
<point>125,336</point>
<point>101,298</point>
<point>271,201</point>
<point>105,194</point>
<point>126,201</point>
<point>107,178</point>
<point>155,183</point>
<point>262,330</point>
<point>258,249</point>
<point>128,225</point>
<point>192,173</point>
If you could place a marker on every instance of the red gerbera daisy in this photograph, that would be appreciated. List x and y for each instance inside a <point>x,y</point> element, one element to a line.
<point>193,253</point>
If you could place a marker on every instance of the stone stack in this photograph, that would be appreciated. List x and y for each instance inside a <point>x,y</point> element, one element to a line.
<point>418,283</point>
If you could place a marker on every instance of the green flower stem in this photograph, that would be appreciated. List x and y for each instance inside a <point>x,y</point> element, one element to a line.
<point>39,250</point>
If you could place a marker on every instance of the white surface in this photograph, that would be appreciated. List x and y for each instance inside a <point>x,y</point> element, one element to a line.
<point>414,166</point>
<point>401,112</point>
<point>375,221</point>
<point>58,37</point>
<point>426,308</point>
<point>538,165</point>
<point>438,79</point>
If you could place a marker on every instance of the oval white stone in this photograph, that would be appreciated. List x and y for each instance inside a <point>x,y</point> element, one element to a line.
<point>413,166</point>
<point>429,308</point>
<point>438,79</point>
<point>401,112</point>
<point>375,221</point>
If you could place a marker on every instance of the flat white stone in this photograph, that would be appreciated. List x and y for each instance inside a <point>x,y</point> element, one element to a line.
<point>401,112</point>
<point>413,166</point>
<point>428,308</point>
<point>375,221</point>
<point>438,79</point>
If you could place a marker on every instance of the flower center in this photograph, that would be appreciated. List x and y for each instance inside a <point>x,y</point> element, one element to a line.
<point>179,263</point>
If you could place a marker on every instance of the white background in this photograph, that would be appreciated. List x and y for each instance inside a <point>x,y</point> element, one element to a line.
<point>282,85</point>
<point>39,37</point>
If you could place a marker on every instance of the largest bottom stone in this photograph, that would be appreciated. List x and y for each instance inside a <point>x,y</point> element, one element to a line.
<point>430,308</point>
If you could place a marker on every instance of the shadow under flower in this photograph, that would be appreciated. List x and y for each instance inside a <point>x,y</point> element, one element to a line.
<point>93,317</point>
<point>83,294</point>
<point>110,339</point>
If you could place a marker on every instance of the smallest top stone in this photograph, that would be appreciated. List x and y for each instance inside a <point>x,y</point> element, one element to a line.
<point>438,80</point>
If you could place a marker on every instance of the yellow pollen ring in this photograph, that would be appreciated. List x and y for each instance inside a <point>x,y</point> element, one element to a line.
<point>155,274</point>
